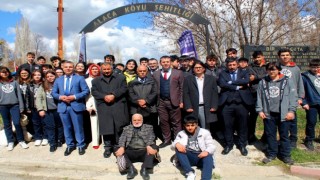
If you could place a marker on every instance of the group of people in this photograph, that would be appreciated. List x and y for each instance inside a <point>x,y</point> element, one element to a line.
<point>184,104</point>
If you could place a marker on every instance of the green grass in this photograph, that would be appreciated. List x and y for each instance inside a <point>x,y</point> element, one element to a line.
<point>299,155</point>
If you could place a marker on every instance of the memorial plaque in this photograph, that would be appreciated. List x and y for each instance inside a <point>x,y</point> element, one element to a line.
<point>300,54</point>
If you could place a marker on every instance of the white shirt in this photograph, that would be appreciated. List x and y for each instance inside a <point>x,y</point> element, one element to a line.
<point>168,73</point>
<point>200,82</point>
<point>65,82</point>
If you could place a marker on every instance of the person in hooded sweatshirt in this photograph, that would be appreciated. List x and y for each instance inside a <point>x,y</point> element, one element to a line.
<point>11,105</point>
<point>290,69</point>
<point>311,102</point>
<point>276,105</point>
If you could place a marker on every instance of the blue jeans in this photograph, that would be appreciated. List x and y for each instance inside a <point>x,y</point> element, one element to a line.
<point>312,117</point>
<point>73,127</point>
<point>53,127</point>
<point>270,129</point>
<point>191,159</point>
<point>8,113</point>
<point>293,130</point>
<point>38,125</point>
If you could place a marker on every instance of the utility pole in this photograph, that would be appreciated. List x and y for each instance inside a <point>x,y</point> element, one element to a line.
<point>60,28</point>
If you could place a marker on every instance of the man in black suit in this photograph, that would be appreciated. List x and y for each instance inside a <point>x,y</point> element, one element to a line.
<point>200,96</point>
<point>234,99</point>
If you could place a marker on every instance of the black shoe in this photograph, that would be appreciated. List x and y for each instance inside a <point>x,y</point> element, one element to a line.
<point>309,145</point>
<point>287,160</point>
<point>243,151</point>
<point>107,153</point>
<point>252,140</point>
<point>164,144</point>
<point>145,174</point>
<point>268,159</point>
<point>59,144</point>
<point>226,150</point>
<point>81,151</point>
<point>53,148</point>
<point>69,151</point>
<point>293,144</point>
<point>132,172</point>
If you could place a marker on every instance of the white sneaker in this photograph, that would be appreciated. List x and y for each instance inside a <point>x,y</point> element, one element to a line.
<point>23,145</point>
<point>191,176</point>
<point>37,142</point>
<point>44,142</point>
<point>10,146</point>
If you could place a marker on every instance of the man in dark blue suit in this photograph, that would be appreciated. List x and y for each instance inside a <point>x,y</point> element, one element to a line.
<point>71,90</point>
<point>235,97</point>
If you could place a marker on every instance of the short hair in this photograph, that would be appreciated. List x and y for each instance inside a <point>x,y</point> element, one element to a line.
<point>273,65</point>
<point>41,57</point>
<point>143,59</point>
<point>173,58</point>
<point>284,50</point>
<point>54,58</point>
<point>164,57</point>
<point>109,56</point>
<point>243,59</point>
<point>184,58</point>
<point>47,66</point>
<point>212,56</point>
<point>119,64</point>
<point>257,53</point>
<point>190,119</point>
<point>200,63</point>
<point>193,58</point>
<point>67,62</point>
<point>231,50</point>
<point>106,64</point>
<point>314,62</point>
<point>153,59</point>
<point>229,60</point>
<point>31,53</point>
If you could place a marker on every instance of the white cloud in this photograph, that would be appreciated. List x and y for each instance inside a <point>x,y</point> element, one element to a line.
<point>42,18</point>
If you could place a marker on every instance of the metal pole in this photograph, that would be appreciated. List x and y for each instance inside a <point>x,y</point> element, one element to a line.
<point>60,28</point>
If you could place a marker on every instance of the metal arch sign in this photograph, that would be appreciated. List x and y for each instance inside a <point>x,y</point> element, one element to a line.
<point>144,7</point>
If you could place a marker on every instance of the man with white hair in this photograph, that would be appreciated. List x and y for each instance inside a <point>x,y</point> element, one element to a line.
<point>137,144</point>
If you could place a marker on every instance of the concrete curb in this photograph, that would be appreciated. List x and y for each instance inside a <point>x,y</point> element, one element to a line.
<point>305,171</point>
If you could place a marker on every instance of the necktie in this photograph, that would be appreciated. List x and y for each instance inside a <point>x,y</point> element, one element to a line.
<point>165,75</point>
<point>233,76</point>
<point>142,80</point>
<point>67,90</point>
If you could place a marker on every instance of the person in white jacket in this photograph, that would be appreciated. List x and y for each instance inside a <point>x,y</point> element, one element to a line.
<point>94,71</point>
<point>194,146</point>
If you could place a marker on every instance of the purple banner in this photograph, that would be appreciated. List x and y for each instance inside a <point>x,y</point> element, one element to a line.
<point>187,45</point>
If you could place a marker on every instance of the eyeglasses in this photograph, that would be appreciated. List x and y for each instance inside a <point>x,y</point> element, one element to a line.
<point>198,67</point>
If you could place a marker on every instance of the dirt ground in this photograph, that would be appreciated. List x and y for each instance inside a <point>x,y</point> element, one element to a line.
<point>39,163</point>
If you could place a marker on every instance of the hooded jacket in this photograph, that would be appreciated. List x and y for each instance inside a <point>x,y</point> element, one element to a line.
<point>312,96</point>
<point>288,103</point>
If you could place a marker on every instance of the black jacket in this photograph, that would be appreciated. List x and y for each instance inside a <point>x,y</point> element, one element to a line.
<point>146,91</point>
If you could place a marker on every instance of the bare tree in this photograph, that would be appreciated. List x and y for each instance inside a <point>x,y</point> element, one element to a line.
<point>6,54</point>
<point>115,50</point>
<point>23,40</point>
<point>235,23</point>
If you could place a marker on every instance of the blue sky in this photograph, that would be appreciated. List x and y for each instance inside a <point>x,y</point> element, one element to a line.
<point>8,19</point>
